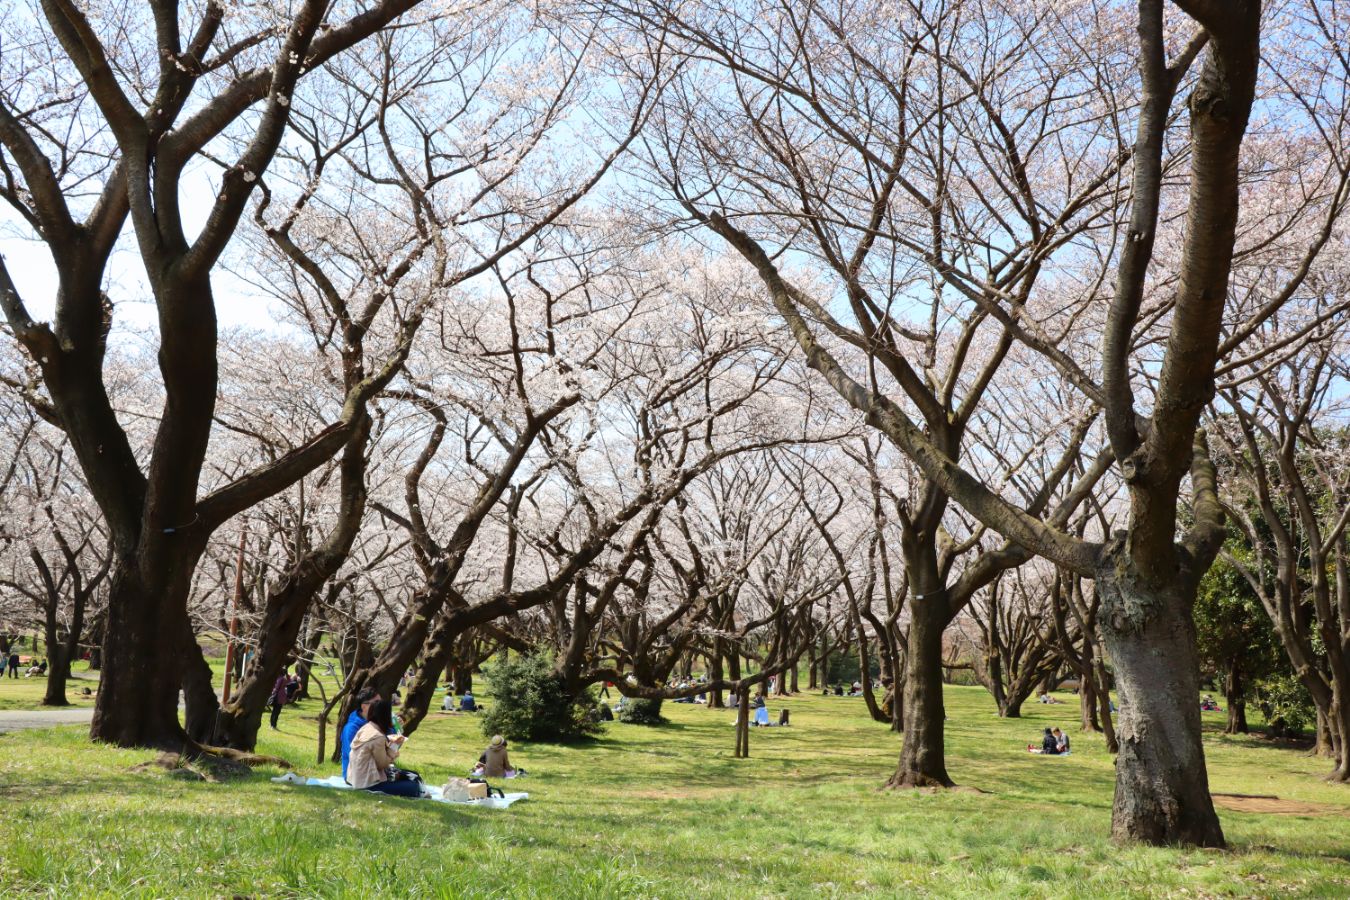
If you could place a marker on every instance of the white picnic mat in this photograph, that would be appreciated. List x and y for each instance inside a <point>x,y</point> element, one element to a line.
<point>337,782</point>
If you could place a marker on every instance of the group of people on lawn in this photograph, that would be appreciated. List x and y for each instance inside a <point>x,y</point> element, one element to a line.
<point>370,744</point>
<point>12,663</point>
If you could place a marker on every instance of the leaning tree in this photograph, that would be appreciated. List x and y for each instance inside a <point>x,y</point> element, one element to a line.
<point>821,168</point>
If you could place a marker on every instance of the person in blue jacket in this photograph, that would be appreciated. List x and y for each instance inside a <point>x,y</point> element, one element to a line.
<point>364,699</point>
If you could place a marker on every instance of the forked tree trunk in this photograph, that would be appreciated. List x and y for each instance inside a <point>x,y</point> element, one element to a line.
<point>1162,787</point>
<point>922,757</point>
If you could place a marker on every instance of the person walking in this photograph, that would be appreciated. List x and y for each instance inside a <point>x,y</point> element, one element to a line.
<point>279,695</point>
<point>13,664</point>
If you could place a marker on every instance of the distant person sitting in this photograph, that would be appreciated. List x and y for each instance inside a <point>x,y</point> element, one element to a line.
<point>761,715</point>
<point>365,699</point>
<point>1061,741</point>
<point>839,690</point>
<point>467,702</point>
<point>374,750</point>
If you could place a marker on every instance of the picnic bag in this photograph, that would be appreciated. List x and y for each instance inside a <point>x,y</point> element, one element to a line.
<point>461,790</point>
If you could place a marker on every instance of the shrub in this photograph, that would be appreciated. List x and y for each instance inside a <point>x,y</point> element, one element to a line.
<point>642,712</point>
<point>531,703</point>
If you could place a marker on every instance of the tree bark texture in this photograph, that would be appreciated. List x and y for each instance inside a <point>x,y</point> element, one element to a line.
<point>1162,787</point>
<point>922,759</point>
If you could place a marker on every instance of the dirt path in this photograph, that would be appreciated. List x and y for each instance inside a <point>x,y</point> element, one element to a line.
<point>18,721</point>
<point>1265,803</point>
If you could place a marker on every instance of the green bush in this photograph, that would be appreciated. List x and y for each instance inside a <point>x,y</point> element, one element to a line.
<point>642,712</point>
<point>531,703</point>
<point>1286,704</point>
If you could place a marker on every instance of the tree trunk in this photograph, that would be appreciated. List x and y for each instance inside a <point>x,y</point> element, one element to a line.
<point>1104,707</point>
<point>715,675</point>
<point>1322,745</point>
<point>58,670</point>
<point>922,758</point>
<point>137,703</point>
<point>303,667</point>
<point>1012,706</point>
<point>743,725</point>
<point>1237,701</point>
<point>1087,703</point>
<point>1162,787</point>
<point>239,720</point>
<point>202,705</point>
<point>422,691</point>
<point>1339,720</point>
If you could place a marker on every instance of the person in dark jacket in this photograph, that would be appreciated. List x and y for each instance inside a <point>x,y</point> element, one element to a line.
<point>365,698</point>
<point>1048,743</point>
<point>279,695</point>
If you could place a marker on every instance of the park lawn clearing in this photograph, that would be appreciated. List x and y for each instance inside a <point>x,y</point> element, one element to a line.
<point>26,694</point>
<point>660,812</point>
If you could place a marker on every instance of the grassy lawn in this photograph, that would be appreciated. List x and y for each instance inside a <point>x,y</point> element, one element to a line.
<point>26,693</point>
<point>659,812</point>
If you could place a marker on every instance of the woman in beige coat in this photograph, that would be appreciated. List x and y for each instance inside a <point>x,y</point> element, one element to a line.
<point>496,764</point>
<point>374,750</point>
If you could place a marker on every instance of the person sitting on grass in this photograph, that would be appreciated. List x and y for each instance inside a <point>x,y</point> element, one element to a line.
<point>1049,745</point>
<point>494,761</point>
<point>374,750</point>
<point>365,698</point>
<point>1061,741</point>
<point>467,703</point>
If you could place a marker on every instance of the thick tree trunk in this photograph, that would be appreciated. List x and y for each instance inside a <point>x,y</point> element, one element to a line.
<point>922,758</point>
<point>137,703</point>
<point>1162,787</point>
<point>58,670</point>
<point>1012,707</point>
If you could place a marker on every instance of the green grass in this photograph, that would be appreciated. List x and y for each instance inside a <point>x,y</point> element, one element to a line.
<point>659,812</point>
<point>26,693</point>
